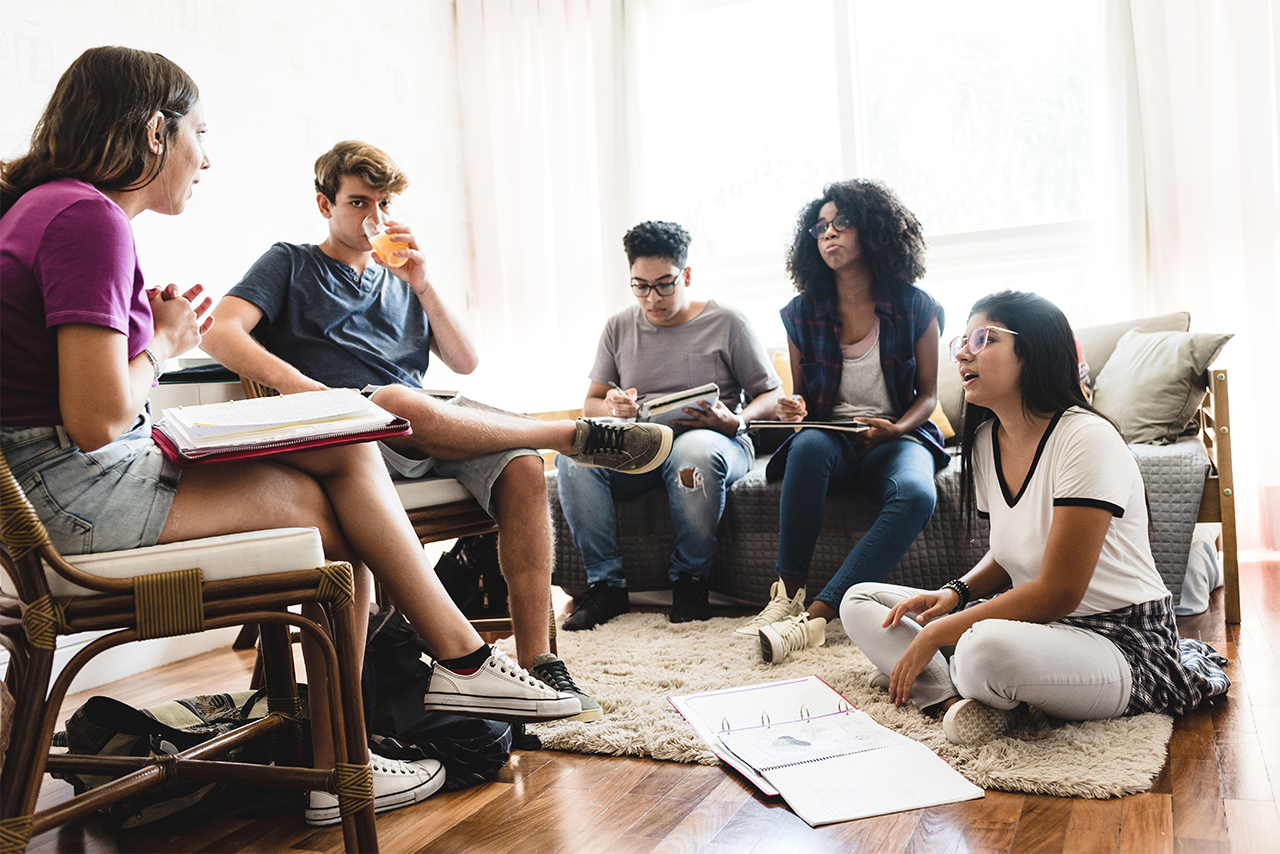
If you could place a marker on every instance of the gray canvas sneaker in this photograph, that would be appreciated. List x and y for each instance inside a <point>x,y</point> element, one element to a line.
<point>630,447</point>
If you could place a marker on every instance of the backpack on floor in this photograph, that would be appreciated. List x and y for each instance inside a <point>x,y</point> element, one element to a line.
<point>469,572</point>
<point>393,683</point>
<point>107,727</point>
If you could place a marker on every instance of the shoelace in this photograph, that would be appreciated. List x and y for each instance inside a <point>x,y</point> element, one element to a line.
<point>772,613</point>
<point>604,438</point>
<point>506,665</point>
<point>558,677</point>
<point>795,635</point>
<point>389,766</point>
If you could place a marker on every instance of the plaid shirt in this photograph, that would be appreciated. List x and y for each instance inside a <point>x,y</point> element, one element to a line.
<point>814,329</point>
<point>1170,674</point>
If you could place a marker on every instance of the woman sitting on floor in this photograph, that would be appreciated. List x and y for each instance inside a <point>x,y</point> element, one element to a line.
<point>1086,630</point>
<point>82,340</point>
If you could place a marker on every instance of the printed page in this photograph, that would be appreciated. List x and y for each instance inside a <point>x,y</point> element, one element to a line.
<point>711,712</point>
<point>821,737</point>
<point>903,776</point>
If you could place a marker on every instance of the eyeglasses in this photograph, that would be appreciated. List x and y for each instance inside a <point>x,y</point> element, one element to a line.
<point>976,340</point>
<point>641,288</point>
<point>840,223</point>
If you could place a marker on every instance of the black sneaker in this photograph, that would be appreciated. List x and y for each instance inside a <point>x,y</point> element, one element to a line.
<point>600,604</point>
<point>626,446</point>
<point>689,599</point>
<point>552,671</point>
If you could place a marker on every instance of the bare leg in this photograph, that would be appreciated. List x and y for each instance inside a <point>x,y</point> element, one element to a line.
<point>524,552</point>
<point>347,494</point>
<point>450,432</point>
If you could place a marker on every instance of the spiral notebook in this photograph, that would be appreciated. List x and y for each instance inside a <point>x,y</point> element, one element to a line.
<point>831,762</point>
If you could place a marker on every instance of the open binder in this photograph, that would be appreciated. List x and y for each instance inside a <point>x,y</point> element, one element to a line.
<point>799,738</point>
<point>243,429</point>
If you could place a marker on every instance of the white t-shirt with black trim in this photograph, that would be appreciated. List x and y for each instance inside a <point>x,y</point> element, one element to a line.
<point>1081,460</point>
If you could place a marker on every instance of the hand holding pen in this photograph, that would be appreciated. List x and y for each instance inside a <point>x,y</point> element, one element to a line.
<point>622,403</point>
<point>792,408</point>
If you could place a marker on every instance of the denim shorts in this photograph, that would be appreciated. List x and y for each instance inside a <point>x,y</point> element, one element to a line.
<point>477,474</point>
<point>114,498</point>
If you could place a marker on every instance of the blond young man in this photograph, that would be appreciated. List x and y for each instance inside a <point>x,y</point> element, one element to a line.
<point>336,314</point>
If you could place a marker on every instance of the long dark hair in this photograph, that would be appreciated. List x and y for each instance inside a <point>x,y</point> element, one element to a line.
<point>891,237</point>
<point>94,127</point>
<point>1046,347</point>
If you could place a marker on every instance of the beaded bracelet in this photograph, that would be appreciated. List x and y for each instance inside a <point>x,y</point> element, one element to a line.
<point>961,589</point>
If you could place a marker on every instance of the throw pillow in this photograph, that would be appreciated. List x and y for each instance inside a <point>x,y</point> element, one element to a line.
<point>1154,381</point>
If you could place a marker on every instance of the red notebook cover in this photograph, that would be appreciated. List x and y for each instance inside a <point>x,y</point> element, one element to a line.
<point>398,427</point>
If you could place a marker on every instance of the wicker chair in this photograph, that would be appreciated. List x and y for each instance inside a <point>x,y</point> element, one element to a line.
<point>166,591</point>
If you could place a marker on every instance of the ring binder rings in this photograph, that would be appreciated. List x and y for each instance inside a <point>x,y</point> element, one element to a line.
<point>828,760</point>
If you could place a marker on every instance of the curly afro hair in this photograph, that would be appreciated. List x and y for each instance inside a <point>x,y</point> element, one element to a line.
<point>657,240</point>
<point>891,237</point>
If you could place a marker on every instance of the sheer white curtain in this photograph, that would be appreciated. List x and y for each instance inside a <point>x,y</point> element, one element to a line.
<point>545,149</point>
<point>1208,92</point>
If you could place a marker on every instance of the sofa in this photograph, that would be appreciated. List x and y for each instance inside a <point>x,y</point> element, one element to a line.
<point>1150,375</point>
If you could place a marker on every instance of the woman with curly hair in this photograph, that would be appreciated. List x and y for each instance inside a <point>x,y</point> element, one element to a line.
<point>864,348</point>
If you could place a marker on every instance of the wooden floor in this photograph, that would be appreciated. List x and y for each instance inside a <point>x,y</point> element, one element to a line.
<point>1218,791</point>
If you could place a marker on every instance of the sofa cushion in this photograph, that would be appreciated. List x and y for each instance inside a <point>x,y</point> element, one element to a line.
<point>1097,343</point>
<point>1154,381</point>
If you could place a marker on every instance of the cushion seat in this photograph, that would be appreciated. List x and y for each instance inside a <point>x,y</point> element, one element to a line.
<point>229,556</point>
<point>430,491</point>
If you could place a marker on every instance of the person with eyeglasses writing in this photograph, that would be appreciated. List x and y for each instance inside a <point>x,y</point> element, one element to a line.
<point>863,340</point>
<point>667,343</point>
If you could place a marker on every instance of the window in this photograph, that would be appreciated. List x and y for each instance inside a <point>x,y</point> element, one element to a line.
<point>980,115</point>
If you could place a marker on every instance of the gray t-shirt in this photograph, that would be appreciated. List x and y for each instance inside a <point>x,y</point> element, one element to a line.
<point>336,327</point>
<point>716,346</point>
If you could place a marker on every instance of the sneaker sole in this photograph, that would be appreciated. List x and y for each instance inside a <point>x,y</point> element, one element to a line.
<point>971,722</point>
<point>659,458</point>
<point>327,816</point>
<point>774,649</point>
<point>515,713</point>
<point>768,639</point>
<point>586,716</point>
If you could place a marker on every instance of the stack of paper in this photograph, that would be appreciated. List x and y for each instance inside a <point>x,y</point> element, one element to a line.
<point>263,420</point>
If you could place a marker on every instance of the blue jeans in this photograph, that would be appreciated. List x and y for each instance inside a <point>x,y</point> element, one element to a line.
<point>898,476</point>
<point>587,496</point>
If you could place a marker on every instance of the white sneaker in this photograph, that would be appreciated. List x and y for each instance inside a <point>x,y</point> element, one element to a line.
<point>879,679</point>
<point>780,639</point>
<point>779,608</point>
<point>500,690</point>
<point>395,784</point>
<point>972,722</point>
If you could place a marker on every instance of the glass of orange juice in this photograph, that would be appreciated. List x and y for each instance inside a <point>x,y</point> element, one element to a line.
<point>384,244</point>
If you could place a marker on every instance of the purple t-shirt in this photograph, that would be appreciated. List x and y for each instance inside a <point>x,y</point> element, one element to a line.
<point>66,256</point>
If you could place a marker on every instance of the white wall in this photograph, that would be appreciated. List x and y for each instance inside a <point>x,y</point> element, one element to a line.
<point>281,81</point>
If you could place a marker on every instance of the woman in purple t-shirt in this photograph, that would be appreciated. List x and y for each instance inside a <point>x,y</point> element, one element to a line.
<point>83,339</point>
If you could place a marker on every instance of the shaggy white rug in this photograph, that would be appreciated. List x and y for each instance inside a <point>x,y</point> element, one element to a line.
<point>634,662</point>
